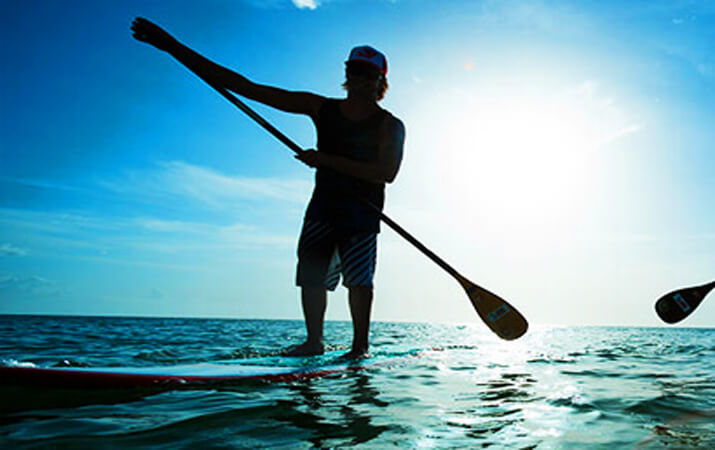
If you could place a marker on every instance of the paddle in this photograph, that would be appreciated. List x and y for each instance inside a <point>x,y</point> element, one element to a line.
<point>677,305</point>
<point>501,317</point>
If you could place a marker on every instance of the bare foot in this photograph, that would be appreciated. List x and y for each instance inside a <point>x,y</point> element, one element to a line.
<point>305,349</point>
<point>355,354</point>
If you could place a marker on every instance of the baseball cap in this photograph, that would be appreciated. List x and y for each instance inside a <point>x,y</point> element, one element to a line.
<point>368,55</point>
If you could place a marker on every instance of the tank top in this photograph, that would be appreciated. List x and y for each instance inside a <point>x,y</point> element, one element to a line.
<point>334,195</point>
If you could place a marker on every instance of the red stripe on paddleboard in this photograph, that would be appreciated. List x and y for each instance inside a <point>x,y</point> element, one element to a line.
<point>43,377</point>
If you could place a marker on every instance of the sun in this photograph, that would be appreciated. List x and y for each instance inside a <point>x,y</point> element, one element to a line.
<point>522,160</point>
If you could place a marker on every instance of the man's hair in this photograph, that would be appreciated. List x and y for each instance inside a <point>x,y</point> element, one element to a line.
<point>381,88</point>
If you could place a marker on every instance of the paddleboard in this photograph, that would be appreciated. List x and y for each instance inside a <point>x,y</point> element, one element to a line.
<point>267,368</point>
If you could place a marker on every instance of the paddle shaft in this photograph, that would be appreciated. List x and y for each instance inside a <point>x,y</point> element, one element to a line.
<point>298,150</point>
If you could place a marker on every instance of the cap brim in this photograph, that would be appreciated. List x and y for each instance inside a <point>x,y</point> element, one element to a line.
<point>363,62</point>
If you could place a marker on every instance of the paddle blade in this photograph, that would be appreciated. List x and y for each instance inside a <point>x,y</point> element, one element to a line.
<point>501,317</point>
<point>677,305</point>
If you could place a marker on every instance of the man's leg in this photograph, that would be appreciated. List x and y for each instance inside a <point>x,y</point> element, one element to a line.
<point>360,309</point>
<point>358,254</point>
<point>316,249</point>
<point>313,300</point>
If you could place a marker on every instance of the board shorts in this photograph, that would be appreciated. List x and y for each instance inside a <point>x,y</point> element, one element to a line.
<point>326,252</point>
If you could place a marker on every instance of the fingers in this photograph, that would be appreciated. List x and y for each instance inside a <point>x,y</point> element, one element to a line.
<point>302,157</point>
<point>143,27</point>
<point>146,31</point>
<point>140,29</point>
<point>141,23</point>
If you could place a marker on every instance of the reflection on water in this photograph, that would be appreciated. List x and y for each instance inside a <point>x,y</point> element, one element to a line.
<point>346,418</point>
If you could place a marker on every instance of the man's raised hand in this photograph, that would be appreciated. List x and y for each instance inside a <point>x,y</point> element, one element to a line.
<point>152,34</point>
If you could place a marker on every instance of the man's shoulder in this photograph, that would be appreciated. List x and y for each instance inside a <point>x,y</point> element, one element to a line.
<point>393,124</point>
<point>323,102</point>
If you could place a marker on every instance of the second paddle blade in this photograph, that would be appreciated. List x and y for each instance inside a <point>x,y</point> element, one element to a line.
<point>677,305</point>
<point>497,313</point>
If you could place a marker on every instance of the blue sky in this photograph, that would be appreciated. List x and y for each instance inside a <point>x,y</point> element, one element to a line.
<point>558,153</point>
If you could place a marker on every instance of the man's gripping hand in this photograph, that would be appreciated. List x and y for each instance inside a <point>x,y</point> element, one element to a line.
<point>311,158</point>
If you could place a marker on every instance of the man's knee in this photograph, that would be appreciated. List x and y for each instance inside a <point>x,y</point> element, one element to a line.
<point>313,292</point>
<point>312,289</point>
<point>360,291</point>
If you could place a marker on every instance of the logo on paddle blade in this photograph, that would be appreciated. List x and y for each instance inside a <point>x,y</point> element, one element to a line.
<point>498,313</point>
<point>685,306</point>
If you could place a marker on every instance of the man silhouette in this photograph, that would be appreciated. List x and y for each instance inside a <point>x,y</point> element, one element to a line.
<point>359,150</point>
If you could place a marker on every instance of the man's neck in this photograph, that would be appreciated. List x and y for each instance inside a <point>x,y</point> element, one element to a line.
<point>357,108</point>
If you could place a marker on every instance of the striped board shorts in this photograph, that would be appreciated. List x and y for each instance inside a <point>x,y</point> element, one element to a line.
<point>325,253</point>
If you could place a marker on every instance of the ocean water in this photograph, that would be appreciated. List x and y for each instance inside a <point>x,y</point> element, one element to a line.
<point>592,387</point>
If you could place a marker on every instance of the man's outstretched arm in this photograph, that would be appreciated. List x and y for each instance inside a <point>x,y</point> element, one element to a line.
<point>289,101</point>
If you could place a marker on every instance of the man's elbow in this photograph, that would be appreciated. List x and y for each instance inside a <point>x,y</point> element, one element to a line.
<point>383,174</point>
<point>390,176</point>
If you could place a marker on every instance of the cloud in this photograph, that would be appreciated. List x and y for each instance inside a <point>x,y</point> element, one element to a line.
<point>140,240</point>
<point>155,225</point>
<point>10,250</point>
<point>613,122</point>
<point>205,235</point>
<point>206,186</point>
<point>40,184</point>
<point>539,15</point>
<point>243,213</point>
<point>309,4</point>
<point>281,4</point>
<point>618,134</point>
<point>28,285</point>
